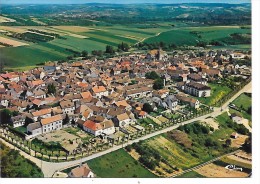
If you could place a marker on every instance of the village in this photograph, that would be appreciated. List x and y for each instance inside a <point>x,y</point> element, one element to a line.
<point>87,105</point>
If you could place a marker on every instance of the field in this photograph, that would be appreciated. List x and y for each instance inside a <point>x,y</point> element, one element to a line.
<point>191,35</point>
<point>89,38</point>
<point>243,101</point>
<point>11,42</point>
<point>216,171</point>
<point>170,151</point>
<point>118,164</point>
<point>76,38</point>
<point>5,19</point>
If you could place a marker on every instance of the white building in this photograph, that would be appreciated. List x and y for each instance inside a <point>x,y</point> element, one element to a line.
<point>34,129</point>
<point>197,89</point>
<point>99,91</point>
<point>106,127</point>
<point>51,123</point>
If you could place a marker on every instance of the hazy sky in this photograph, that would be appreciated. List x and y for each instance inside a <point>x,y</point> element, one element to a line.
<point>117,1</point>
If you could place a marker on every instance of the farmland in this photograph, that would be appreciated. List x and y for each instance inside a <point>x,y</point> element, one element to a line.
<point>76,38</point>
<point>89,38</point>
<point>11,42</point>
<point>118,164</point>
<point>192,35</point>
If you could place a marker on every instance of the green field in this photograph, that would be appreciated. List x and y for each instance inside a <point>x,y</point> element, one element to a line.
<point>217,93</point>
<point>97,39</point>
<point>100,36</point>
<point>243,101</point>
<point>118,164</point>
<point>183,36</point>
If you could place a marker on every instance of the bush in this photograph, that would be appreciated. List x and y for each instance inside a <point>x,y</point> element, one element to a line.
<point>242,129</point>
<point>128,148</point>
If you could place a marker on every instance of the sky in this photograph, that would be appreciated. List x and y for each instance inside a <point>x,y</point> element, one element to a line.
<point>118,1</point>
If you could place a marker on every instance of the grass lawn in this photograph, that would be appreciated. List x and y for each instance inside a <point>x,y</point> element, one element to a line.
<point>217,93</point>
<point>191,174</point>
<point>243,101</point>
<point>21,129</point>
<point>118,164</point>
<point>146,122</point>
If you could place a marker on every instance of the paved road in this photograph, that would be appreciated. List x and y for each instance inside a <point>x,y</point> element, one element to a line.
<point>49,168</point>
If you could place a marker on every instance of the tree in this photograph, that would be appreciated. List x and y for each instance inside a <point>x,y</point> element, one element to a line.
<point>228,142</point>
<point>112,72</point>
<point>158,84</point>
<point>152,75</point>
<point>66,120</point>
<point>123,46</point>
<point>247,146</point>
<point>28,121</point>
<point>110,49</point>
<point>5,116</point>
<point>147,108</point>
<point>84,53</point>
<point>51,89</point>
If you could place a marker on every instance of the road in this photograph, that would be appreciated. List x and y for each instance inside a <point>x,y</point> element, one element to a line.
<point>49,168</point>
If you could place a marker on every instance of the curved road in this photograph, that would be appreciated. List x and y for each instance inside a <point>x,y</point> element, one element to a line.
<point>49,168</point>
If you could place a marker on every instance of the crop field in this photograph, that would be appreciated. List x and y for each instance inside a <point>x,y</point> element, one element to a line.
<point>170,151</point>
<point>6,19</point>
<point>17,29</point>
<point>77,38</point>
<point>89,38</point>
<point>186,36</point>
<point>76,29</point>
<point>11,42</point>
<point>118,164</point>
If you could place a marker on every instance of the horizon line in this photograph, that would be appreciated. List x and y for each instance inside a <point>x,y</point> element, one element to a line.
<point>5,3</point>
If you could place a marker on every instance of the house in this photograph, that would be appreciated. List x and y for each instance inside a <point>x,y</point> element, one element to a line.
<point>18,120</point>
<point>106,127</point>
<point>39,94</point>
<point>194,77</point>
<point>67,107</point>
<point>83,171</point>
<point>51,123</point>
<point>99,91</point>
<point>161,93</point>
<point>123,104</point>
<point>171,102</point>
<point>44,113</point>
<point>5,99</point>
<point>122,120</point>
<point>197,89</point>
<point>238,119</point>
<point>34,129</point>
<point>187,100</point>
<point>139,93</point>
